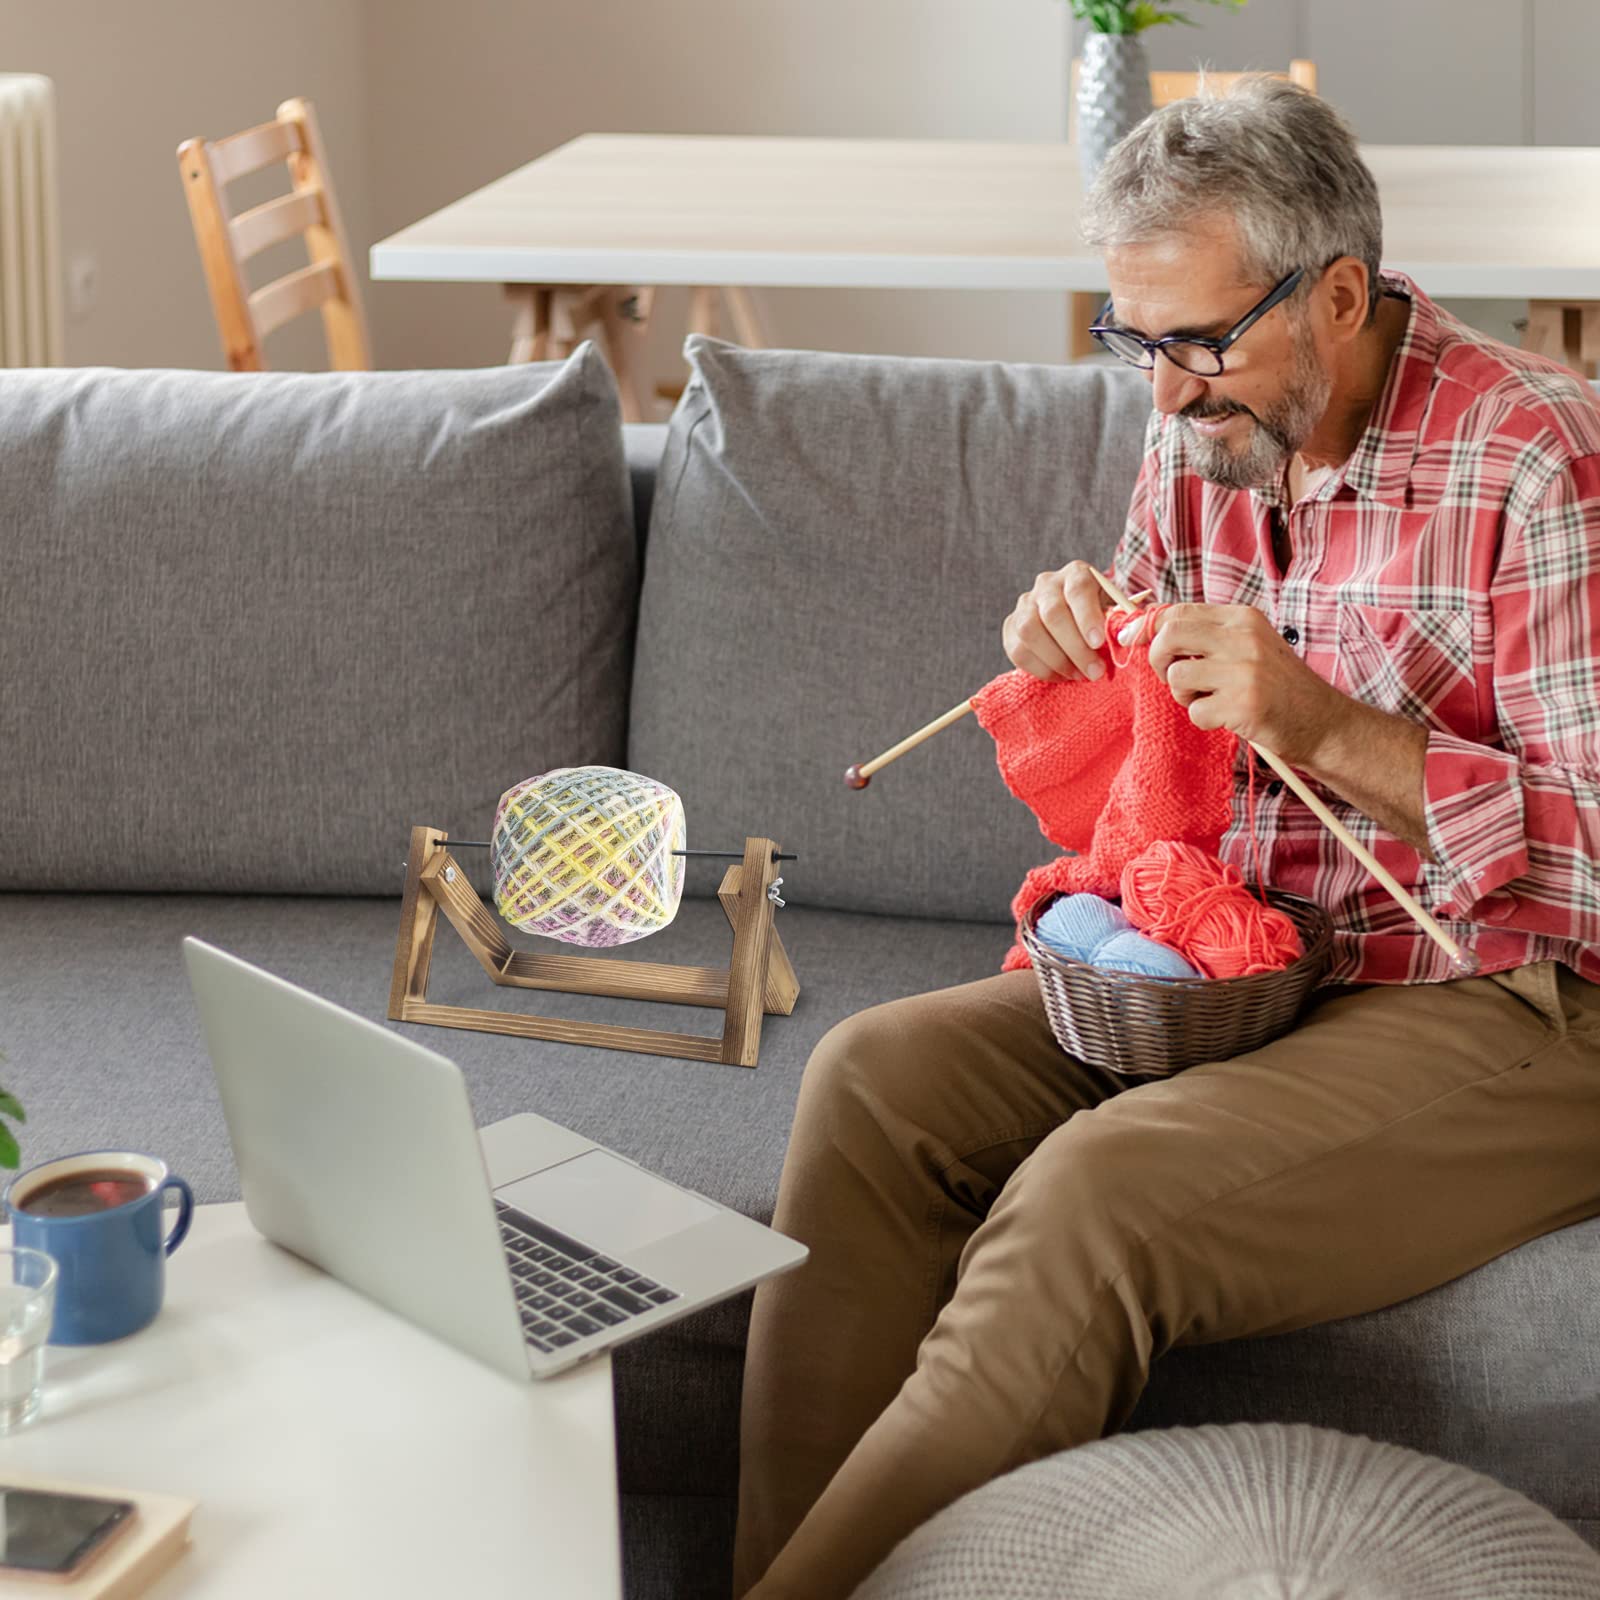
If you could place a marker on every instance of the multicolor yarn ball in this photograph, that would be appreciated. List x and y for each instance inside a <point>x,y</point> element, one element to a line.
<point>584,855</point>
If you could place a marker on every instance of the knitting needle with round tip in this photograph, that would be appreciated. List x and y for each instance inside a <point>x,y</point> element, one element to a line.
<point>859,774</point>
<point>1465,962</point>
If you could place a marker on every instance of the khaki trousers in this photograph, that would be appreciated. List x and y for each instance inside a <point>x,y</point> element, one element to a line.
<point>1003,1238</point>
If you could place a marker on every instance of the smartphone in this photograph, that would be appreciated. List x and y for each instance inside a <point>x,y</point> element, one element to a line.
<point>53,1535</point>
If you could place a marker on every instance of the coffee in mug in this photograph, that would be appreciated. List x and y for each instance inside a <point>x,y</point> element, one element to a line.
<point>80,1194</point>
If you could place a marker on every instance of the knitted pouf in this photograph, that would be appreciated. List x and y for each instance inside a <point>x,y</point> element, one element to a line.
<point>585,855</point>
<point>1245,1512</point>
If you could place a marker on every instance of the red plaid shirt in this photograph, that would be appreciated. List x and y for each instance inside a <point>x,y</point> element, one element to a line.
<point>1449,573</point>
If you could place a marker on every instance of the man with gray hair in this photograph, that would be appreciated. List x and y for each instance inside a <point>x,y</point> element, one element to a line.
<point>1376,537</point>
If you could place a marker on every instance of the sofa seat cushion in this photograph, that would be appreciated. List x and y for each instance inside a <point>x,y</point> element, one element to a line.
<point>103,1044</point>
<point>834,543</point>
<point>257,625</point>
<point>1499,1370</point>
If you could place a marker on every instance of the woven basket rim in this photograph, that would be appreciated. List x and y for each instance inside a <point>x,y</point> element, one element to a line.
<point>1314,953</point>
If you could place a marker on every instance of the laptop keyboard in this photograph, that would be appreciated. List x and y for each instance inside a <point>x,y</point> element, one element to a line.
<point>565,1290</point>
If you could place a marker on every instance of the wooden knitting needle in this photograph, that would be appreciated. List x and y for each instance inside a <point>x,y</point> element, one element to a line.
<point>1464,960</point>
<point>726,855</point>
<point>859,775</point>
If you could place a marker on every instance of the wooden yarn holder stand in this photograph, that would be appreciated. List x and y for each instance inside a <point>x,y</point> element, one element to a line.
<point>759,978</point>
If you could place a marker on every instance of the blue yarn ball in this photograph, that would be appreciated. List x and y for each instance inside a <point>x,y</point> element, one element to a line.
<point>1132,952</point>
<point>1076,925</point>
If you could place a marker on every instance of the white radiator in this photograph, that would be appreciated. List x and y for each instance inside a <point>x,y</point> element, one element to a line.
<point>30,225</point>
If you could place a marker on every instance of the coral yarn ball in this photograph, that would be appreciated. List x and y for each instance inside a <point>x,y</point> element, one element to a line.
<point>1199,906</point>
<point>585,855</point>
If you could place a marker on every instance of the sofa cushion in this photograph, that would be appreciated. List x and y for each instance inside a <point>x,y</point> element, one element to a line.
<point>259,625</point>
<point>834,544</point>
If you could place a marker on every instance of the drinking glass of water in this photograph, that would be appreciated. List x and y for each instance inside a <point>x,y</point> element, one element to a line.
<point>27,1304</point>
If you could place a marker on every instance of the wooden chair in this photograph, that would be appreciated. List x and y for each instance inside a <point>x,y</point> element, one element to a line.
<point>328,283</point>
<point>1165,87</point>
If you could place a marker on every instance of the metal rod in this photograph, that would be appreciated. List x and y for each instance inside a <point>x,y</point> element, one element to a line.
<point>727,855</point>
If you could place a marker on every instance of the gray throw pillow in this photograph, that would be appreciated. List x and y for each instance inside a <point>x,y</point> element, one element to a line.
<point>255,627</point>
<point>834,544</point>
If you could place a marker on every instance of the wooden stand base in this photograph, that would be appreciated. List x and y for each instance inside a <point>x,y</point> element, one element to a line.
<point>759,978</point>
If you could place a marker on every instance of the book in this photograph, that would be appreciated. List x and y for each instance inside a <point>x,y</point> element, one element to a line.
<point>158,1537</point>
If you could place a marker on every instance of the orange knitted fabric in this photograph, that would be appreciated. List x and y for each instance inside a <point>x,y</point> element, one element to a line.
<point>1107,767</point>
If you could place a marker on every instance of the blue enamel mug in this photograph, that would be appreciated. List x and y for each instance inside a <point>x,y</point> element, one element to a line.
<point>99,1215</point>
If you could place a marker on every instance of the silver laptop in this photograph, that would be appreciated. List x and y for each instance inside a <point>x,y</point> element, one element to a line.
<point>529,1247</point>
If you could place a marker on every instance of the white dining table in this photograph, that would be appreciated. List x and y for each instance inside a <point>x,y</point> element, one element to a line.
<point>1480,221</point>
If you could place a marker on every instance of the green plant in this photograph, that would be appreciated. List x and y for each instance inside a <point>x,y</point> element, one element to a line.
<point>1134,16</point>
<point>10,1106</point>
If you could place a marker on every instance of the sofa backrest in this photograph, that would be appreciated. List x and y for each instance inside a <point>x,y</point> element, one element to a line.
<point>834,543</point>
<point>255,627</point>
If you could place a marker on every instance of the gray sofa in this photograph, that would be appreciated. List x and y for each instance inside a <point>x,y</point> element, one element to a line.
<point>252,629</point>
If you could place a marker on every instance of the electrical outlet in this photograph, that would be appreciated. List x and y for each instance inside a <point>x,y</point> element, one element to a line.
<point>83,283</point>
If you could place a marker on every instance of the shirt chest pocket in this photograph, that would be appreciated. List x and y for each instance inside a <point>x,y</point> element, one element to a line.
<point>1418,664</point>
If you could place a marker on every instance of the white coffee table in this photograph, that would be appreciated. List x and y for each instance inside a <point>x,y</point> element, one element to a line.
<point>334,1449</point>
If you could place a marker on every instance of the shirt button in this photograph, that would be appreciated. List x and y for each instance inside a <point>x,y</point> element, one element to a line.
<point>1275,787</point>
<point>1291,635</point>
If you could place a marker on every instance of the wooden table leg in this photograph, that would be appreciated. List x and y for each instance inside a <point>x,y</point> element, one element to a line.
<point>552,320</point>
<point>1565,332</point>
<point>619,341</point>
<point>569,312</point>
<point>1081,311</point>
<point>530,329</point>
<point>703,311</point>
<point>746,318</point>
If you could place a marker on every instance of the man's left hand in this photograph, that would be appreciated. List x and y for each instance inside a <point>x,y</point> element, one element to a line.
<point>1233,670</point>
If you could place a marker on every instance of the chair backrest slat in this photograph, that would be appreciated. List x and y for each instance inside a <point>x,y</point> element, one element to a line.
<point>287,297</point>
<point>252,150</point>
<point>266,225</point>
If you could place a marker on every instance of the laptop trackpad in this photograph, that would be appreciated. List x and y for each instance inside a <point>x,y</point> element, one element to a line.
<point>606,1202</point>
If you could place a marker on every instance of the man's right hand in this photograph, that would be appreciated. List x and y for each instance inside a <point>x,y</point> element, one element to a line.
<point>1057,628</point>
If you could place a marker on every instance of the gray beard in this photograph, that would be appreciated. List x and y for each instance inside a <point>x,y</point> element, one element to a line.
<point>1278,433</point>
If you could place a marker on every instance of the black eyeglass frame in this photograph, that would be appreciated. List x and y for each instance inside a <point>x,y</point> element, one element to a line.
<point>1218,347</point>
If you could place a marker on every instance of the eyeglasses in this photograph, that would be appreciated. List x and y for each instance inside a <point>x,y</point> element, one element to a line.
<point>1203,357</point>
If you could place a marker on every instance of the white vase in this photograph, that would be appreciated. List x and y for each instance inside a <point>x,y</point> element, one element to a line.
<point>1113,95</point>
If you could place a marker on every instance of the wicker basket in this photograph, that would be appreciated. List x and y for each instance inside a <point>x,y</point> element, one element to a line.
<point>1148,1027</point>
